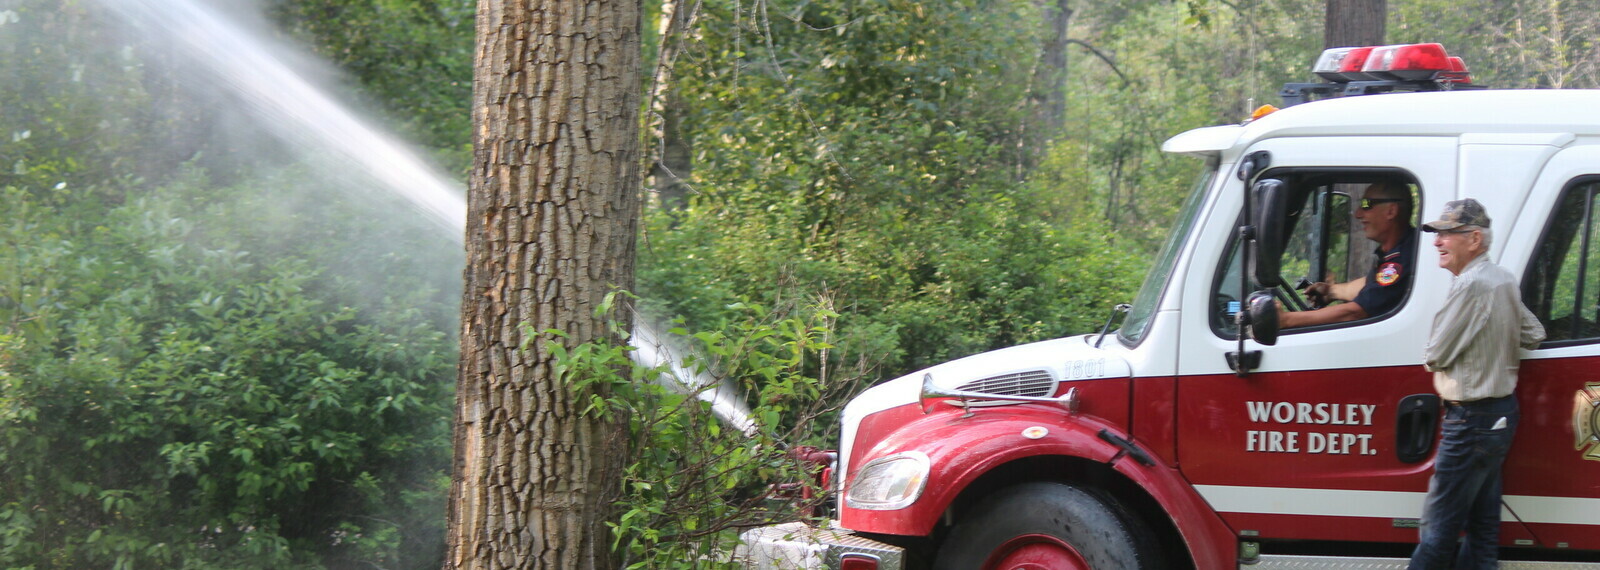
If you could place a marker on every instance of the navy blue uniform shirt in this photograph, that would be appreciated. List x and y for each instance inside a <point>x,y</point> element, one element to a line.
<point>1390,277</point>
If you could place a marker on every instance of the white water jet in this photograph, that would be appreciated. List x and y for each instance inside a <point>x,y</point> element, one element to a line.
<point>282,98</point>
<point>724,398</point>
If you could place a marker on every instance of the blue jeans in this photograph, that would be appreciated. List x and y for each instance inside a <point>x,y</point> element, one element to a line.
<point>1464,494</point>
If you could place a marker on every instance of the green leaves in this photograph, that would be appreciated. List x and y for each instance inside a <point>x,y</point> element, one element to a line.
<point>193,383</point>
<point>412,57</point>
<point>873,153</point>
<point>692,480</point>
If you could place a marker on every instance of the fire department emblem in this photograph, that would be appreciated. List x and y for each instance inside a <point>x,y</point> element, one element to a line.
<point>1586,420</point>
<point>1388,273</point>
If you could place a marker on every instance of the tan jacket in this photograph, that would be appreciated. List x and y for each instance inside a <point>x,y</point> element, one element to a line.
<point>1472,350</point>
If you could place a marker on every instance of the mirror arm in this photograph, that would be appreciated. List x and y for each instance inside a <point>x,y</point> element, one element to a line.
<point>1247,240</point>
<point>1120,308</point>
<point>1239,361</point>
<point>1261,236</point>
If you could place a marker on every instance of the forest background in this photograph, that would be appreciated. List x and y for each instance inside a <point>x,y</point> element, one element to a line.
<point>208,360</point>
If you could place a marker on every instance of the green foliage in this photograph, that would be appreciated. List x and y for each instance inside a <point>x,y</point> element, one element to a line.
<point>693,479</point>
<point>70,115</point>
<point>175,391</point>
<point>1509,43</point>
<point>206,361</point>
<point>172,398</point>
<point>870,153</point>
<point>1165,76</point>
<point>183,384</point>
<point>412,58</point>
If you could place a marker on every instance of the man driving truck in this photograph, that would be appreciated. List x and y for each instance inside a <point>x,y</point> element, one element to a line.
<point>1385,215</point>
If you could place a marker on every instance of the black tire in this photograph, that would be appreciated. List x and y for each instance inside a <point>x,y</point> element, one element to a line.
<point>1052,519</point>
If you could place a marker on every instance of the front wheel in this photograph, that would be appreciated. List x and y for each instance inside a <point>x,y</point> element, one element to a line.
<point>1047,526</point>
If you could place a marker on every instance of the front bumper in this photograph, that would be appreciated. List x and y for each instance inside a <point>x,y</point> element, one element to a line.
<point>796,545</point>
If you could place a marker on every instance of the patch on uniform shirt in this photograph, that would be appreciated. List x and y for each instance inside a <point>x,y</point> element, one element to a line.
<point>1388,273</point>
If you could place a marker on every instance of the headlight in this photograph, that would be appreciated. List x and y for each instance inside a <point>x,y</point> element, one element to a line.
<point>889,483</point>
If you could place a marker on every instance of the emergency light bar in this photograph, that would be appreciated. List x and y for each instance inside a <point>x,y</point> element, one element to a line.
<point>1404,62</point>
<point>1457,74</point>
<point>1342,64</point>
<point>1381,69</point>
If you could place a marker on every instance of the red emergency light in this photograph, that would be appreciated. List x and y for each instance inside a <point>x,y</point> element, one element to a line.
<point>1407,62</point>
<point>1342,64</point>
<point>1457,74</point>
<point>1402,62</point>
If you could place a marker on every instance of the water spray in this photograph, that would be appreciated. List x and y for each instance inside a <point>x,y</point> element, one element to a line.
<point>652,351</point>
<point>280,96</point>
<point>285,101</point>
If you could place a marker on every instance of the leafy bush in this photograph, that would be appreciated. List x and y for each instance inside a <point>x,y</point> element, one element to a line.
<point>412,58</point>
<point>204,362</point>
<point>693,480</point>
<point>871,152</point>
<point>172,398</point>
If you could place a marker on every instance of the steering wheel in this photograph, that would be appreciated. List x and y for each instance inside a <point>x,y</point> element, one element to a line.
<point>1292,299</point>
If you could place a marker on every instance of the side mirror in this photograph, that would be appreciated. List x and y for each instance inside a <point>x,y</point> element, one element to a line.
<point>1262,310</point>
<point>1271,209</point>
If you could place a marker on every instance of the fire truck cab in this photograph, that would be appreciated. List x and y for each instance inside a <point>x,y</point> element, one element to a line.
<point>1199,435</point>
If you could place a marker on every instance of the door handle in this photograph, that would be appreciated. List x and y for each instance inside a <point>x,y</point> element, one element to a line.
<point>1415,423</point>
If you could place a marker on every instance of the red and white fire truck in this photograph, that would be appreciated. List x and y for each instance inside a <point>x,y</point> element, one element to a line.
<point>1175,441</point>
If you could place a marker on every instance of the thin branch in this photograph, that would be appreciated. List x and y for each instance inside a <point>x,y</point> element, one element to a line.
<point>1103,57</point>
<point>788,82</point>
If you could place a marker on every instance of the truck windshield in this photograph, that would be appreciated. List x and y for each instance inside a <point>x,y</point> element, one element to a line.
<point>1144,305</point>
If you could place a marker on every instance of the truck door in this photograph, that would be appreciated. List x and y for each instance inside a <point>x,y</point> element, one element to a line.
<point>1553,473</point>
<point>1329,437</point>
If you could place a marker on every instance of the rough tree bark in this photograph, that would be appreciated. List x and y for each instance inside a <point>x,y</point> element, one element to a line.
<point>1354,23</point>
<point>552,216</point>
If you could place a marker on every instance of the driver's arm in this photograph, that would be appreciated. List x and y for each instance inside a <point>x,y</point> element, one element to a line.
<point>1331,314</point>
<point>1323,292</point>
<point>1348,290</point>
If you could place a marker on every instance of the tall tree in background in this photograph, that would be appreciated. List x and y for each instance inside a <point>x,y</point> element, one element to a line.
<point>1354,23</point>
<point>1046,94</point>
<point>670,158</point>
<point>552,209</point>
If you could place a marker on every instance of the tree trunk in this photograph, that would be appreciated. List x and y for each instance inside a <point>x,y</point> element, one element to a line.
<point>552,216</point>
<point>1354,23</point>
<point>672,156</point>
<point>1047,99</point>
<point>1050,78</point>
<point>671,170</point>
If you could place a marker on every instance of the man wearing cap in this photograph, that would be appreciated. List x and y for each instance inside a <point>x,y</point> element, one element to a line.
<point>1385,215</point>
<point>1473,354</point>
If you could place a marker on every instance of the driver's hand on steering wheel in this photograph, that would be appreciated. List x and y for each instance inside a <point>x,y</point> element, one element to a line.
<point>1319,293</point>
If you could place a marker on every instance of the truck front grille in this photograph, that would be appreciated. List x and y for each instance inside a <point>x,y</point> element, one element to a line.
<point>1036,383</point>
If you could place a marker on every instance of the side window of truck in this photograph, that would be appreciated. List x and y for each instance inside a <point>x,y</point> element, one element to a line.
<point>1324,243</point>
<point>1562,283</point>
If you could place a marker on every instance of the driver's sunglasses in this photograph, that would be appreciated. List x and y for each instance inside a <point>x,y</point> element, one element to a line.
<point>1368,203</point>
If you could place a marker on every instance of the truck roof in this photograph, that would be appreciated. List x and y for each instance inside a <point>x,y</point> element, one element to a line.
<point>1441,113</point>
